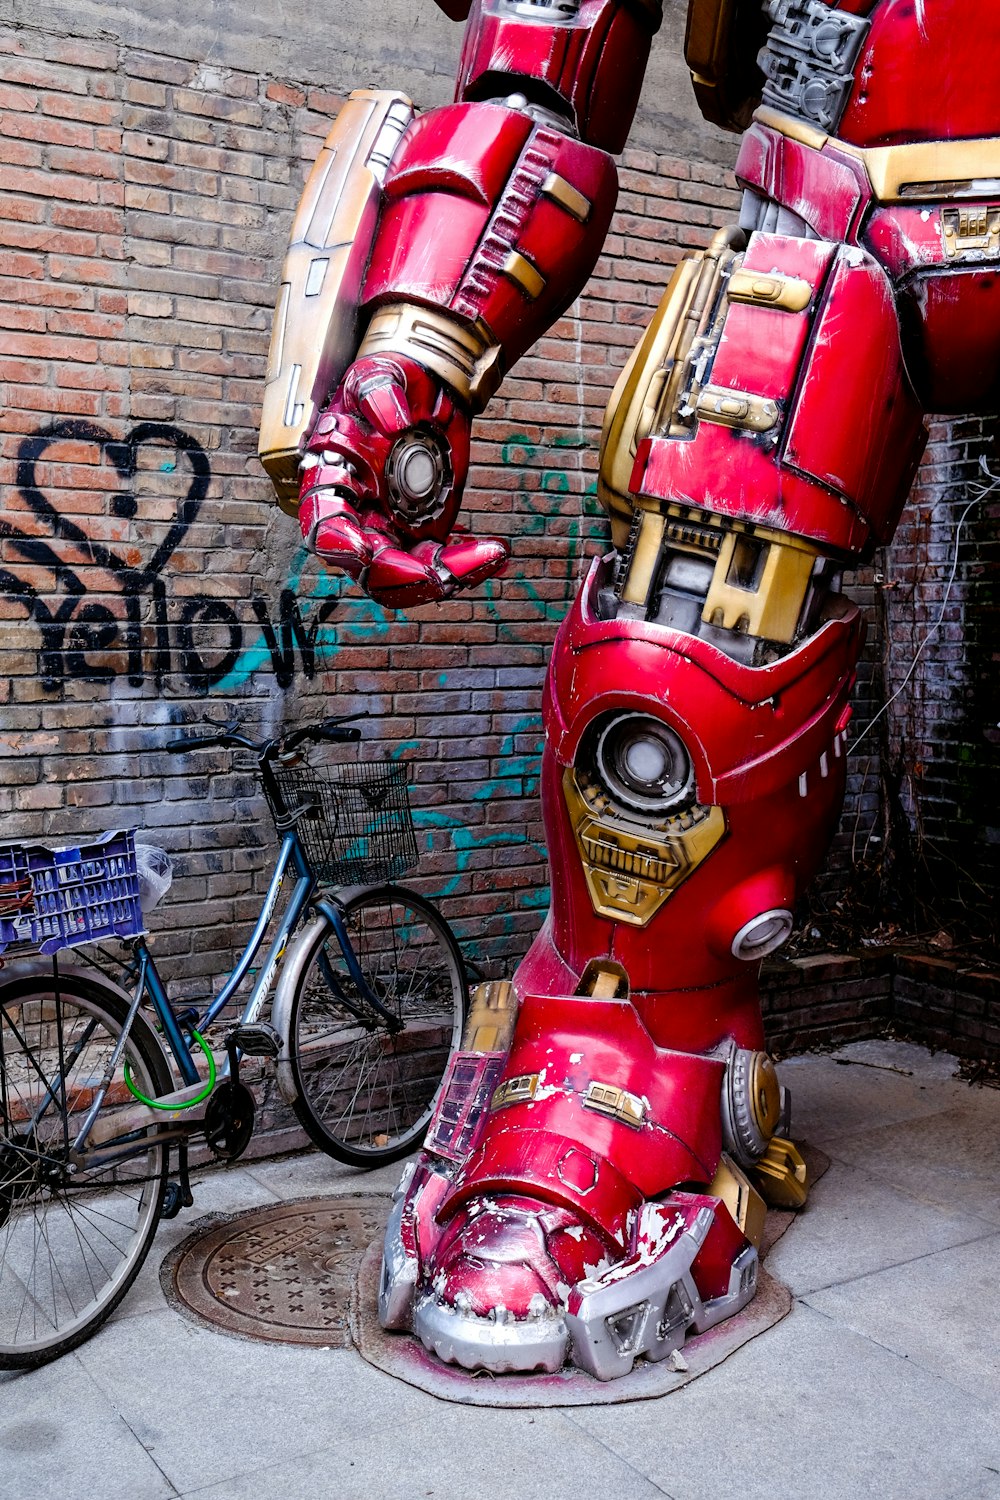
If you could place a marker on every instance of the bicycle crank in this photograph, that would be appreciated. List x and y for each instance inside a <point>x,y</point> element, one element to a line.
<point>229,1120</point>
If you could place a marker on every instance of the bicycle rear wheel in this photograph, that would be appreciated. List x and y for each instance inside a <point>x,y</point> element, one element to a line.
<point>364,1084</point>
<point>73,1232</point>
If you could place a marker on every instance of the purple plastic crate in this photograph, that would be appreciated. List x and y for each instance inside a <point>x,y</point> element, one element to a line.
<point>52,898</point>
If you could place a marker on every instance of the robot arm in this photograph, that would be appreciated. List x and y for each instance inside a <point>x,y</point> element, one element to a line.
<point>451,245</point>
<point>721,47</point>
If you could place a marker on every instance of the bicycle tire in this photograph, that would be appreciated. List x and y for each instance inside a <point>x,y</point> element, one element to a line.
<point>71,1243</point>
<point>364,1089</point>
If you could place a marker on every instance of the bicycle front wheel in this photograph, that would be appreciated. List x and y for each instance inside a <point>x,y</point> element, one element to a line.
<point>364,1081</point>
<point>74,1227</point>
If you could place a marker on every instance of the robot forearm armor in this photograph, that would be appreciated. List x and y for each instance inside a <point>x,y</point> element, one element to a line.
<point>496,208</point>
<point>583,59</point>
<point>491,225</point>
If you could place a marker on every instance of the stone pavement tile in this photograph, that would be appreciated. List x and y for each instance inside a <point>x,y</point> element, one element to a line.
<point>810,1411</point>
<point>949,1160</point>
<point>855,1223</point>
<point>906,1057</point>
<point>60,1435</point>
<point>449,1453</point>
<point>208,1406</point>
<point>231,1189</point>
<point>859,1086</point>
<point>210,1409</point>
<point>314,1173</point>
<point>941,1312</point>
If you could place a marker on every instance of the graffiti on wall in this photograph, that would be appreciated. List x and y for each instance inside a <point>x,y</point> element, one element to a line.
<point>117,554</point>
<point>95,582</point>
<point>120,587</point>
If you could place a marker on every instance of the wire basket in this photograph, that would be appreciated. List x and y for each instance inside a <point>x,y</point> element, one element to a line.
<point>60,897</point>
<point>357,827</point>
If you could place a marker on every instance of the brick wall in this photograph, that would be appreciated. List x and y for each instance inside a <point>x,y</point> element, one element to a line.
<point>917,850</point>
<point>938,1000</point>
<point>147,582</point>
<point>939,742</point>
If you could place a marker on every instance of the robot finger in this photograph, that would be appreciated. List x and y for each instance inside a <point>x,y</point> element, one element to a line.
<point>468,560</point>
<point>401,580</point>
<point>332,530</point>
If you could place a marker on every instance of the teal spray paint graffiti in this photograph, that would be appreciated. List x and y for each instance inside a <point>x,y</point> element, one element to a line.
<point>300,633</point>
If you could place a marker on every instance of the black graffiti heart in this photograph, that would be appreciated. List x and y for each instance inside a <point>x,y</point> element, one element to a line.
<point>199,637</point>
<point>123,455</point>
<point>77,631</point>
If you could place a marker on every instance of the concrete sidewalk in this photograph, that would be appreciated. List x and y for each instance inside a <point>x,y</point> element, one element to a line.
<point>884,1380</point>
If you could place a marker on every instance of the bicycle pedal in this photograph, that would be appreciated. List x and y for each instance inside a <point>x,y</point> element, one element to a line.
<point>255,1040</point>
<point>174,1200</point>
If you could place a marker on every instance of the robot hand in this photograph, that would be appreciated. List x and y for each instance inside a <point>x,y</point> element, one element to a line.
<point>382,483</point>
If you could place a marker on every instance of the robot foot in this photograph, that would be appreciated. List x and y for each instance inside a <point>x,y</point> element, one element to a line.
<point>513,1285</point>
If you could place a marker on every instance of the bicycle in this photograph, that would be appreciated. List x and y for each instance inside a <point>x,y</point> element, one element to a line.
<point>95,1090</point>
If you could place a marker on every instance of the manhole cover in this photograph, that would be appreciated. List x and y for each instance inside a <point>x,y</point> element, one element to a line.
<point>282,1273</point>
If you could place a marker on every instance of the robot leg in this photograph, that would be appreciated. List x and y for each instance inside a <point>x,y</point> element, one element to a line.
<point>594,1182</point>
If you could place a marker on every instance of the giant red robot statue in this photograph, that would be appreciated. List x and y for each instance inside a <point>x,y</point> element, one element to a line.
<point>594,1180</point>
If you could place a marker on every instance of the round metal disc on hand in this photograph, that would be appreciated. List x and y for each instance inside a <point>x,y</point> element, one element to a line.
<point>282,1274</point>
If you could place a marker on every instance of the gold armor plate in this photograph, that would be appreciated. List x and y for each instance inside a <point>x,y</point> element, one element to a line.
<point>314,335</point>
<point>721,45</point>
<point>912,171</point>
<point>631,870</point>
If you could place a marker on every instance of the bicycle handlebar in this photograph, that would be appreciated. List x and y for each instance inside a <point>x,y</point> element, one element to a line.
<point>334,730</point>
<point>205,742</point>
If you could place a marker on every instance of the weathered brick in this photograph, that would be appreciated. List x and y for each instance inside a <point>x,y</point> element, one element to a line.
<point>147,301</point>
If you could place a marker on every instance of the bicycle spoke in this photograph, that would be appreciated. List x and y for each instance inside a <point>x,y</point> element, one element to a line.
<point>366,1093</point>
<point>71,1240</point>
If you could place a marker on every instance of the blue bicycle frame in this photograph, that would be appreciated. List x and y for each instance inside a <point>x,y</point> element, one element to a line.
<point>182,1031</point>
<point>290,853</point>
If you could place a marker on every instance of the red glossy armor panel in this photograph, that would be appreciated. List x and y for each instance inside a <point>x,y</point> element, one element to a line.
<point>856,425</point>
<point>689,989</point>
<point>905,238</point>
<point>955,322</point>
<point>457,210</point>
<point>407,226</point>
<point>949,305</point>
<point>468,152</point>
<point>713,1265</point>
<point>827,189</point>
<point>767,747</point>
<point>723,472</point>
<point>749,730</point>
<point>451,170</point>
<point>549,1169</point>
<point>852,434</point>
<point>677,1004</point>
<point>570,1042</point>
<point>592,63</point>
<point>924,74</point>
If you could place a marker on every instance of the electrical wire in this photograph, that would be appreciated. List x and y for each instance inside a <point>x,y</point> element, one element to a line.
<point>984,491</point>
